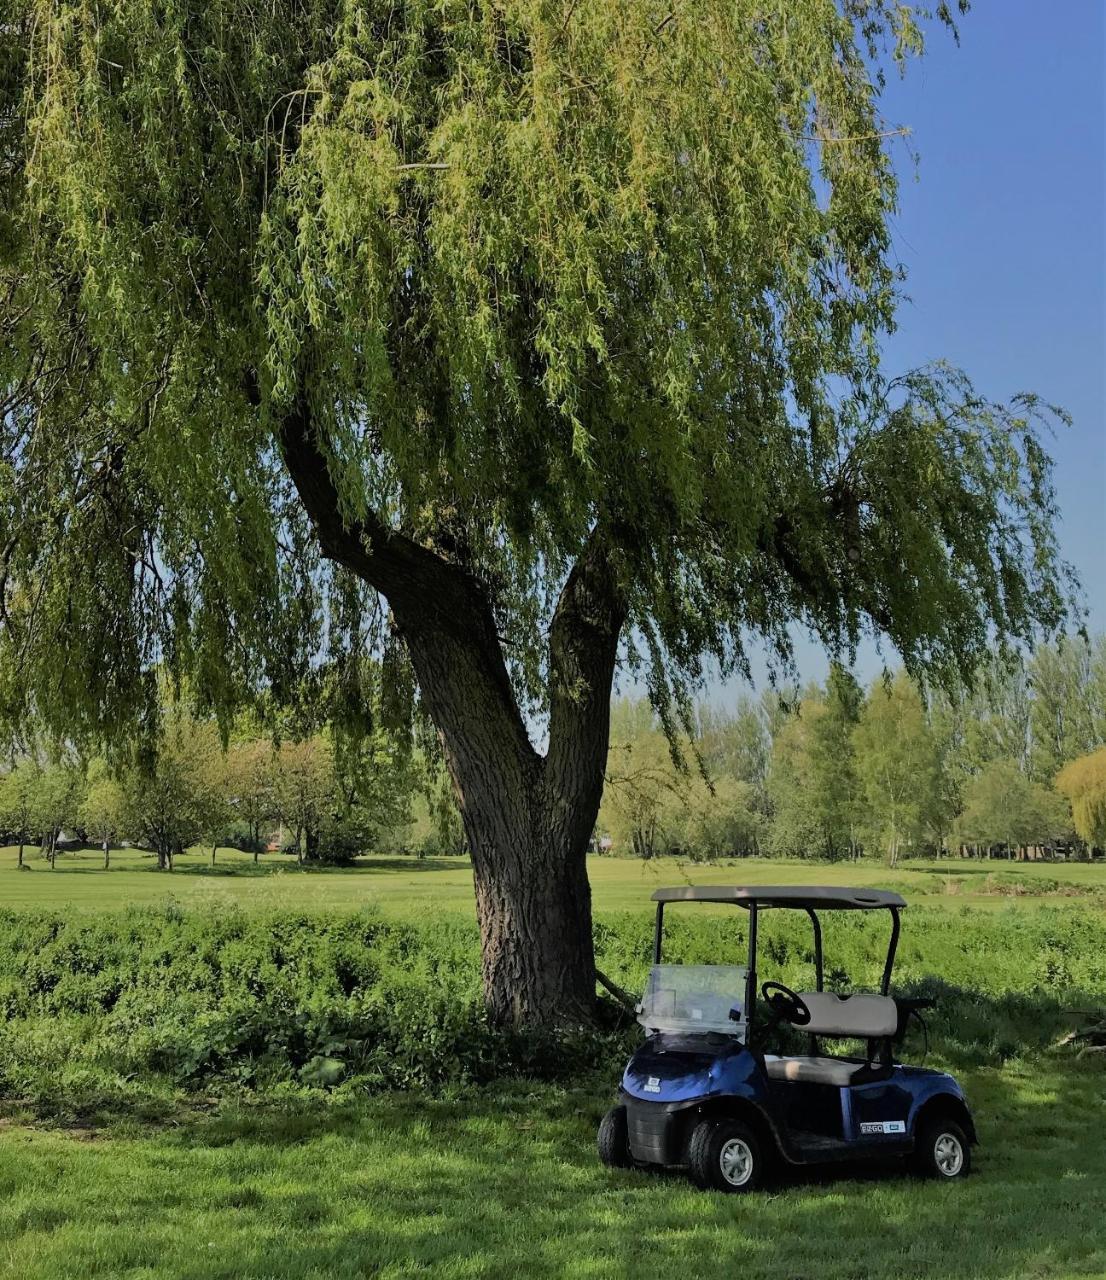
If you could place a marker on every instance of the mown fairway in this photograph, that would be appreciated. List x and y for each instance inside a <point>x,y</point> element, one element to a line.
<point>411,886</point>
<point>116,1160</point>
<point>504,1183</point>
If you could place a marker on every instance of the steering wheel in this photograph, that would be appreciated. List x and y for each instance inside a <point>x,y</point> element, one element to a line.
<point>785,1004</point>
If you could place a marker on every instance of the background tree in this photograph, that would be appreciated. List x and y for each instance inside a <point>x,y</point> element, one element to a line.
<point>813,781</point>
<point>1004,807</point>
<point>56,799</point>
<point>436,828</point>
<point>430,305</point>
<point>306,792</point>
<point>1068,703</point>
<point>722,819</point>
<point>251,787</point>
<point>899,768</point>
<point>167,800</point>
<point>101,811</point>
<point>1083,782</point>
<point>18,812</point>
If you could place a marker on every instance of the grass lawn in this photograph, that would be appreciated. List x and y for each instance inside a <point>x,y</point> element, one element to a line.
<point>505,1182</point>
<point>410,886</point>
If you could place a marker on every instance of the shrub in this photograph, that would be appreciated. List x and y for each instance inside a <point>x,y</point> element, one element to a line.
<point>176,999</point>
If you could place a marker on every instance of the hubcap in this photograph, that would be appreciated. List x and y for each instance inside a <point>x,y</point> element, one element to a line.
<point>948,1154</point>
<point>736,1162</point>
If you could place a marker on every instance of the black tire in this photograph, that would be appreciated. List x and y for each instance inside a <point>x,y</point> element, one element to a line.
<point>613,1141</point>
<point>942,1151</point>
<point>725,1155</point>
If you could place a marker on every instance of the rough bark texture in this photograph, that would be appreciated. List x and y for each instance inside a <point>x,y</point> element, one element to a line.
<point>527,817</point>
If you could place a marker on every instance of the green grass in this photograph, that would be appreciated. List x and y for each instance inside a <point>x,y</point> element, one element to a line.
<point>152,1178</point>
<point>504,1182</point>
<point>409,886</point>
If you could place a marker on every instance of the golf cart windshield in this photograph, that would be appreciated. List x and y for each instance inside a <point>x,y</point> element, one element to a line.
<point>694,997</point>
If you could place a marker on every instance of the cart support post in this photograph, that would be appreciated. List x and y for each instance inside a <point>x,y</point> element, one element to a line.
<point>751,977</point>
<point>886,985</point>
<point>819,977</point>
<point>657,933</point>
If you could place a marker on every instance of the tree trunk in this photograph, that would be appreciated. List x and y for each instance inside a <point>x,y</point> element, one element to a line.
<point>213,848</point>
<point>107,855</point>
<point>527,831</point>
<point>20,862</point>
<point>527,818</point>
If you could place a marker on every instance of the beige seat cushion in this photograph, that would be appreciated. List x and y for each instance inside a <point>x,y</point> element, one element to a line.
<point>810,1070</point>
<point>863,1016</point>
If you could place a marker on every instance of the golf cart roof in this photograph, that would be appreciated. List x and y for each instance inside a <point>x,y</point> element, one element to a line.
<point>822,897</point>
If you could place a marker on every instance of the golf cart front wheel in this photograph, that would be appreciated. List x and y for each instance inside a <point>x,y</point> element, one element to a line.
<point>942,1151</point>
<point>724,1155</point>
<point>613,1140</point>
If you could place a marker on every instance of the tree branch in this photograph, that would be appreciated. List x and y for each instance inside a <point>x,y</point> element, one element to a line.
<point>432,600</point>
<point>583,649</point>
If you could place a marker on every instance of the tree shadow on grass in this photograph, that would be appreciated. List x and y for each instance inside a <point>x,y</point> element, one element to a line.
<point>512,1181</point>
<point>505,1182</point>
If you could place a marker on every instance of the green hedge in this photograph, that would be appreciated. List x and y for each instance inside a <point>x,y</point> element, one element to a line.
<point>177,999</point>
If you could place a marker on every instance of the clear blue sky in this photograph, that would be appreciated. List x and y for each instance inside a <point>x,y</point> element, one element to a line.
<point>1004,238</point>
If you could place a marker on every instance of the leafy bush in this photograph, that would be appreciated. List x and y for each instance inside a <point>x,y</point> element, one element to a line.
<point>178,999</point>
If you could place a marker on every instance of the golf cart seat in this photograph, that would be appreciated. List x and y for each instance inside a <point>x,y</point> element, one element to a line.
<point>860,1017</point>
<point>808,1070</point>
<point>863,1017</point>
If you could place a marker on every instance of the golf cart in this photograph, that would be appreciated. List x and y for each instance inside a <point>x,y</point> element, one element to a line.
<point>701,1094</point>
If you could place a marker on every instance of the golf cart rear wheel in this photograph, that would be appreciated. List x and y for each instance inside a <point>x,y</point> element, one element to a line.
<point>613,1141</point>
<point>942,1151</point>
<point>724,1155</point>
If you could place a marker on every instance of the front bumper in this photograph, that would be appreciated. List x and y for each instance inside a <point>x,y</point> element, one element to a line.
<point>657,1130</point>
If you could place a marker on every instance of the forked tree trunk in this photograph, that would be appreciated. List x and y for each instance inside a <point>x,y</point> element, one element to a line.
<point>527,817</point>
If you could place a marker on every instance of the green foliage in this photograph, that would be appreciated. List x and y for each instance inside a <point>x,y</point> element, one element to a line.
<point>1083,781</point>
<point>1068,708</point>
<point>813,784</point>
<point>174,798</point>
<point>899,767</point>
<point>102,812</point>
<point>1003,806</point>
<point>282,1000</point>
<point>530,269</point>
<point>255,1000</point>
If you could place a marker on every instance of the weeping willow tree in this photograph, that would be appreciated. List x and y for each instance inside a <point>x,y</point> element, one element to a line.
<point>507,340</point>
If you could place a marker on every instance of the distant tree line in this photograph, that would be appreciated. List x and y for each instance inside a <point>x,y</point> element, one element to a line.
<point>1015,767</point>
<point>315,798</point>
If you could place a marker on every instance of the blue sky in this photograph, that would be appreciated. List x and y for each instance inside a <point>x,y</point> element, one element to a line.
<point>1003,235</point>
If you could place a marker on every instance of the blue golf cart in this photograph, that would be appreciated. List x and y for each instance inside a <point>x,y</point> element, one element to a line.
<point>701,1094</point>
